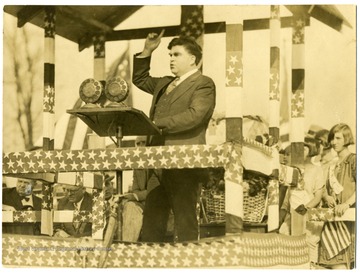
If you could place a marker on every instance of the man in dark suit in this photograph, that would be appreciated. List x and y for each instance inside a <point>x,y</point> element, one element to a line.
<point>20,198</point>
<point>181,107</point>
<point>76,199</point>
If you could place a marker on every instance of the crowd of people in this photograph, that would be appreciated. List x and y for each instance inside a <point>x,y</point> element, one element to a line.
<point>329,179</point>
<point>181,108</point>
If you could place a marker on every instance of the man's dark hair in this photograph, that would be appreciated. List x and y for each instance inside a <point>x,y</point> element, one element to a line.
<point>190,45</point>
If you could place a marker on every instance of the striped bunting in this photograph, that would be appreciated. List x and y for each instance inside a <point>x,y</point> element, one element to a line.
<point>335,238</point>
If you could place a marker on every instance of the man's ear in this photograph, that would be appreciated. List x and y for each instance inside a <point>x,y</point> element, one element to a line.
<point>193,59</point>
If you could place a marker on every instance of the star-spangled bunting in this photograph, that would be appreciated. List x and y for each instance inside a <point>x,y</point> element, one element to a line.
<point>192,21</point>
<point>82,216</point>
<point>322,214</point>
<point>297,104</point>
<point>275,12</point>
<point>24,217</point>
<point>49,24</point>
<point>183,156</point>
<point>46,209</point>
<point>249,249</point>
<point>274,90</point>
<point>234,68</point>
<point>49,99</point>
<point>99,46</point>
<point>298,35</point>
<point>97,212</point>
<point>273,189</point>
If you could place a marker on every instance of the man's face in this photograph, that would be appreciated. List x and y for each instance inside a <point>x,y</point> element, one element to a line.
<point>24,186</point>
<point>74,193</point>
<point>181,61</point>
<point>108,190</point>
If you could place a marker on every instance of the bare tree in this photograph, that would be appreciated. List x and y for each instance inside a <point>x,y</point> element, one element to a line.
<point>22,83</point>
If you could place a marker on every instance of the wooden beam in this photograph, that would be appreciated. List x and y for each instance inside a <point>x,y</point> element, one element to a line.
<point>73,14</point>
<point>27,13</point>
<point>171,31</point>
<point>131,34</point>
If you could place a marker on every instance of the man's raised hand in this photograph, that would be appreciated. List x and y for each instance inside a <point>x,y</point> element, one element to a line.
<point>152,42</point>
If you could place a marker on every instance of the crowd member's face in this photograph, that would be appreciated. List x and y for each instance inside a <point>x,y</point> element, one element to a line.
<point>24,187</point>
<point>108,190</point>
<point>74,193</point>
<point>181,61</point>
<point>338,142</point>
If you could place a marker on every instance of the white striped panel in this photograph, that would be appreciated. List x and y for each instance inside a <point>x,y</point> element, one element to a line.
<point>68,178</point>
<point>275,160</point>
<point>89,179</point>
<point>273,222</point>
<point>99,69</point>
<point>63,216</point>
<point>233,96</point>
<point>79,136</point>
<point>274,118</point>
<point>298,56</point>
<point>60,131</point>
<point>48,123</point>
<point>7,216</point>
<point>275,33</point>
<point>297,130</point>
<point>49,50</point>
<point>234,197</point>
<point>47,222</point>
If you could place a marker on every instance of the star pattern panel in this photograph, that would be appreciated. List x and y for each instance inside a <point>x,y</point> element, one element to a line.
<point>247,250</point>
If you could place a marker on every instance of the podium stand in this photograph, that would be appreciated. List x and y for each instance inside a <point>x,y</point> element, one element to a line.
<point>118,122</point>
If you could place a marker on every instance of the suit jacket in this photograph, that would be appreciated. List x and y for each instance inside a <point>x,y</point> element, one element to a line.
<point>143,182</point>
<point>191,106</point>
<point>11,197</point>
<point>84,229</point>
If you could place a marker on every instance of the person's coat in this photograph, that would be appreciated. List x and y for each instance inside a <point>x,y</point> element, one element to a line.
<point>84,228</point>
<point>11,198</point>
<point>190,109</point>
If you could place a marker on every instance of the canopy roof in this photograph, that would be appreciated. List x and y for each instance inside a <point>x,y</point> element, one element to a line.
<point>80,23</point>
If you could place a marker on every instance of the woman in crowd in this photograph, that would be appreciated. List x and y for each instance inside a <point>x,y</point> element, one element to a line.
<point>301,199</point>
<point>338,238</point>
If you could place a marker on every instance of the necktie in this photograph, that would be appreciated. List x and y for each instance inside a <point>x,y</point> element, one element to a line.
<point>171,86</point>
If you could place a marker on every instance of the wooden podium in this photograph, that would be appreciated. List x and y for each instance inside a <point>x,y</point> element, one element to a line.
<point>118,122</point>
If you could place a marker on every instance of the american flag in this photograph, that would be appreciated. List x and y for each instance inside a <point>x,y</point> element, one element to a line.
<point>121,68</point>
<point>192,22</point>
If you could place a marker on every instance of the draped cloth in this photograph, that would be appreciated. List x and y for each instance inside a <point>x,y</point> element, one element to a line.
<point>335,238</point>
